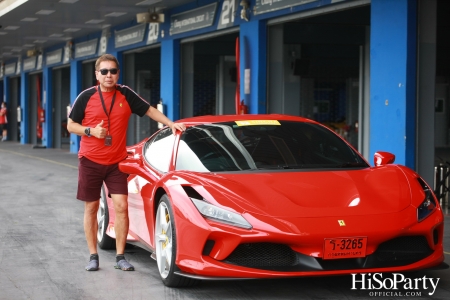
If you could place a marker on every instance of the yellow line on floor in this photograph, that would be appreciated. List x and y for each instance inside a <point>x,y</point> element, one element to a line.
<point>40,158</point>
<point>448,253</point>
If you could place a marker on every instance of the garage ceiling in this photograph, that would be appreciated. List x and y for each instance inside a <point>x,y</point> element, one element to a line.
<point>39,24</point>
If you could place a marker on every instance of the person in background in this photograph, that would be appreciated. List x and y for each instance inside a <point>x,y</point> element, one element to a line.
<point>100,116</point>
<point>3,121</point>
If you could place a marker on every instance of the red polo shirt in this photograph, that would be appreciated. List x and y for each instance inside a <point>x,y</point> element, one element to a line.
<point>87,110</point>
<point>3,112</point>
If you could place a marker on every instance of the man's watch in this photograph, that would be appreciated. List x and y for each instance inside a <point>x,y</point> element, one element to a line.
<point>88,131</point>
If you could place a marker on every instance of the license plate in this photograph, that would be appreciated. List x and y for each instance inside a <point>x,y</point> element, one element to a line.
<point>345,247</point>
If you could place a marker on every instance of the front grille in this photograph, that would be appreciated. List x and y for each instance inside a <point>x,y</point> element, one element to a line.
<point>262,256</point>
<point>403,250</point>
<point>400,251</point>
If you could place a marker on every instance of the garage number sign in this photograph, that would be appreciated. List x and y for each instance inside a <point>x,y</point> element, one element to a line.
<point>193,19</point>
<point>226,18</point>
<point>264,6</point>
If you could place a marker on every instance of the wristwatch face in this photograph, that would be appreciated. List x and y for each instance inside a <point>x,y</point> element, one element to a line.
<point>87,131</point>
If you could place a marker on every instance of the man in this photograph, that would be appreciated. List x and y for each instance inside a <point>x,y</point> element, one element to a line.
<point>100,116</point>
<point>3,121</point>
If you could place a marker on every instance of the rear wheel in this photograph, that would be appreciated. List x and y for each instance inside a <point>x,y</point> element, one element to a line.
<point>104,241</point>
<point>166,246</point>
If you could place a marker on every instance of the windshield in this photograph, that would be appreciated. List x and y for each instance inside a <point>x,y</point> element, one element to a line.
<point>235,146</point>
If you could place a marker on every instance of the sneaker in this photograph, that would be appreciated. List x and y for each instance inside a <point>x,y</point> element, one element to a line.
<point>93,263</point>
<point>124,265</point>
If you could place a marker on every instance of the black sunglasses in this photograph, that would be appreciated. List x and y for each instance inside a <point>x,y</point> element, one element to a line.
<point>105,71</point>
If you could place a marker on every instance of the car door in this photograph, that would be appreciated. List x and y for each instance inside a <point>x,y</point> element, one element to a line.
<point>156,158</point>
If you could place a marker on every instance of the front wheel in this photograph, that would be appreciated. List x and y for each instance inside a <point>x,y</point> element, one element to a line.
<point>166,246</point>
<point>104,241</point>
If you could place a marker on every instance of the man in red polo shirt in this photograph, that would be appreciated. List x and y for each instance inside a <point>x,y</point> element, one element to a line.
<point>100,116</point>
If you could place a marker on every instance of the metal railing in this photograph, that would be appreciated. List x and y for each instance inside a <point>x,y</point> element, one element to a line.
<point>442,184</point>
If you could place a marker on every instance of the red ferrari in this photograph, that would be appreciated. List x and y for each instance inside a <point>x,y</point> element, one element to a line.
<point>265,196</point>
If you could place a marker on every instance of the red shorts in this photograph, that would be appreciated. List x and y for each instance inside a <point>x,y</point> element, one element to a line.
<point>91,176</point>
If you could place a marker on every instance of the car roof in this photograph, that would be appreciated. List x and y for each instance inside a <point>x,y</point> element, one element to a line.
<point>230,118</point>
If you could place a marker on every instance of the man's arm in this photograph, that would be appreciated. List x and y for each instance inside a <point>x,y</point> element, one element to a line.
<point>156,115</point>
<point>78,129</point>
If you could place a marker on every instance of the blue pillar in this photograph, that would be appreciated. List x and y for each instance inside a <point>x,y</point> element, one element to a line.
<point>170,78</point>
<point>47,88</point>
<point>75,89</point>
<point>253,57</point>
<point>393,79</point>
<point>25,105</point>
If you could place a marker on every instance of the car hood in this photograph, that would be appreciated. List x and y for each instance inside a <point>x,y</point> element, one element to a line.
<point>313,194</point>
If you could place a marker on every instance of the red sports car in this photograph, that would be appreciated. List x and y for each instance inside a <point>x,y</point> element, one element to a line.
<point>261,196</point>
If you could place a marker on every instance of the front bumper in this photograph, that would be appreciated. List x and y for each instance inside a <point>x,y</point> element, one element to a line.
<point>395,242</point>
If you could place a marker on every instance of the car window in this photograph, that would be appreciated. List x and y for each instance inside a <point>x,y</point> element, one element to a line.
<point>211,148</point>
<point>158,150</point>
<point>283,145</point>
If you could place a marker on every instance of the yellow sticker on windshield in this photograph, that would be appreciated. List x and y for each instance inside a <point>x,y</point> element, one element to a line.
<point>257,122</point>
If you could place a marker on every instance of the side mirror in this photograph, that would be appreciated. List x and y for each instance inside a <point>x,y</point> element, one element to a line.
<point>381,158</point>
<point>133,165</point>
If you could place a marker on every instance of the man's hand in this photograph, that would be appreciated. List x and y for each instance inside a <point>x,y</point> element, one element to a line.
<point>99,132</point>
<point>177,126</point>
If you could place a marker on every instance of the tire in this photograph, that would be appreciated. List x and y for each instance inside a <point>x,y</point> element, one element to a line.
<point>166,246</point>
<point>104,241</point>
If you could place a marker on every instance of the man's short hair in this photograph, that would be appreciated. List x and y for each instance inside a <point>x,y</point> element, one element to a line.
<point>106,57</point>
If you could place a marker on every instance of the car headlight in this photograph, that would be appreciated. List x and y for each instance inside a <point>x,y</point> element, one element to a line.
<point>428,205</point>
<point>220,215</point>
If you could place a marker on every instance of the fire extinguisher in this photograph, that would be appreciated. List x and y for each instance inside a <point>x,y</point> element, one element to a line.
<point>41,119</point>
<point>243,109</point>
<point>39,130</point>
<point>41,115</point>
<point>40,111</point>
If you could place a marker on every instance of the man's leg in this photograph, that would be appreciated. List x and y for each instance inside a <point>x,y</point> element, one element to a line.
<point>90,180</point>
<point>121,225</point>
<point>90,231</point>
<point>91,225</point>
